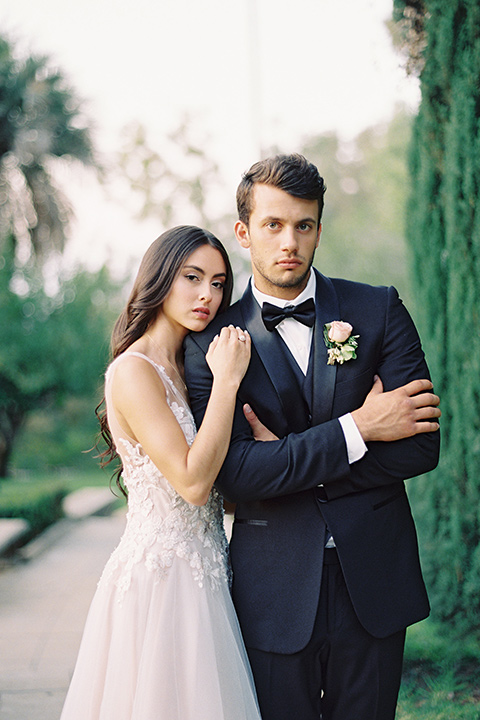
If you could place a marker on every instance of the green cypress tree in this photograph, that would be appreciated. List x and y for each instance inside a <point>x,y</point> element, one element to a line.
<point>443,229</point>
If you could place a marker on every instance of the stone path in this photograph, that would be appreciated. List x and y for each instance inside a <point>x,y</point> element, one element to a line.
<point>44,601</point>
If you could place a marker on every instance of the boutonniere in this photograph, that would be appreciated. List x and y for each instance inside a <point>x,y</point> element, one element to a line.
<point>340,342</point>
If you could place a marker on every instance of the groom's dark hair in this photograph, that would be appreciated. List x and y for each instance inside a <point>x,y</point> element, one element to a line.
<point>292,173</point>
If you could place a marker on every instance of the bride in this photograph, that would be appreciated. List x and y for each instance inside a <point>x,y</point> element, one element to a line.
<point>162,641</point>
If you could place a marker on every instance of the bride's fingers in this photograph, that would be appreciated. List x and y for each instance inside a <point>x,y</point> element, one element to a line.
<point>214,342</point>
<point>242,335</point>
<point>231,334</point>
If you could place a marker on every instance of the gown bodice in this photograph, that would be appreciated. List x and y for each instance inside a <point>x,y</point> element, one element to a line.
<point>161,525</point>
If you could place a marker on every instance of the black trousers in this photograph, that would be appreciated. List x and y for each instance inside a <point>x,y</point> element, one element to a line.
<point>344,673</point>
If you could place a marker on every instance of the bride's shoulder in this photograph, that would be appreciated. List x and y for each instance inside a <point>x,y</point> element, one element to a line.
<point>133,369</point>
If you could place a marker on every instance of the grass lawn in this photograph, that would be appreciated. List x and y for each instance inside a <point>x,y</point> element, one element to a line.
<point>441,678</point>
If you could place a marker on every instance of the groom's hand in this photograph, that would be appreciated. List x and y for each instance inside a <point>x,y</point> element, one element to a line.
<point>409,410</point>
<point>259,431</point>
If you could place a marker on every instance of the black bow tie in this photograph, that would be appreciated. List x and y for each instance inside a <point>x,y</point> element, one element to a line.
<point>304,313</point>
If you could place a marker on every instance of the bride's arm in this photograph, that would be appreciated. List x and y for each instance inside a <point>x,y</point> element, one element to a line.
<point>140,403</point>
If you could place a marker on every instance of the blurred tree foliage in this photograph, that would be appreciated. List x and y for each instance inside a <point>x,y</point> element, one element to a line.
<point>363,223</point>
<point>444,239</point>
<point>52,344</point>
<point>180,184</point>
<point>364,217</point>
<point>178,181</point>
<point>53,349</point>
<point>41,123</point>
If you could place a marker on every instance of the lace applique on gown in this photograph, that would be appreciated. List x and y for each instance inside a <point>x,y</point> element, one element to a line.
<point>162,641</point>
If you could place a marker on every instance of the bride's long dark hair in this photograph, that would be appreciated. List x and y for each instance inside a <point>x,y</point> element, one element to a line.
<point>158,270</point>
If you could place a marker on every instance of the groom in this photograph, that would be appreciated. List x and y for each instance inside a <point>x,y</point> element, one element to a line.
<point>324,548</point>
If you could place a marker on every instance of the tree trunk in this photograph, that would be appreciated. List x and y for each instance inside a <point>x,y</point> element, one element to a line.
<point>11,420</point>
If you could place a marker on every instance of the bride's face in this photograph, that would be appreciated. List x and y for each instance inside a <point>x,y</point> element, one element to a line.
<point>197,291</point>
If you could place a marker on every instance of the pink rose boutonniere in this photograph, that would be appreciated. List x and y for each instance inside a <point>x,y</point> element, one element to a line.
<point>340,342</point>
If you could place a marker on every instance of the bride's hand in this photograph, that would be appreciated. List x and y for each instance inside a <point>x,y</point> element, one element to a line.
<point>228,355</point>
<point>260,432</point>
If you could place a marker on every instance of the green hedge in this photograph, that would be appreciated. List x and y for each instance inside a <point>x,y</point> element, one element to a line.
<point>38,503</point>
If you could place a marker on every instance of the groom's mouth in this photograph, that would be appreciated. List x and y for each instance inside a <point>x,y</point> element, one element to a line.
<point>289,263</point>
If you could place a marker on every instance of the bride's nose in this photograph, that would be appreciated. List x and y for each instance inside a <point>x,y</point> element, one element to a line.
<point>205,294</point>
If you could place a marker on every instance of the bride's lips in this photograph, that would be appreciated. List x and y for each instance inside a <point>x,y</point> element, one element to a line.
<point>202,312</point>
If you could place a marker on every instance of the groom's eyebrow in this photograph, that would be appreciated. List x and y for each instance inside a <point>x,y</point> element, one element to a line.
<point>277,218</point>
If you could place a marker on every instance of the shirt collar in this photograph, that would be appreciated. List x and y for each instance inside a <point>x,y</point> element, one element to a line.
<point>308,292</point>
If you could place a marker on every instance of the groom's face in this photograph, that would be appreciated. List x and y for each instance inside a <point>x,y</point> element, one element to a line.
<point>282,234</point>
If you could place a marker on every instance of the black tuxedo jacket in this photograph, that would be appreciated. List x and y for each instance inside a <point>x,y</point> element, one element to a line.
<point>281,517</point>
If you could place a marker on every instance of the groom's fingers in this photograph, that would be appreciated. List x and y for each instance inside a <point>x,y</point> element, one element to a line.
<point>426,400</point>
<point>425,427</point>
<point>417,386</point>
<point>421,406</point>
<point>428,411</point>
<point>377,386</point>
<point>260,432</point>
<point>406,411</point>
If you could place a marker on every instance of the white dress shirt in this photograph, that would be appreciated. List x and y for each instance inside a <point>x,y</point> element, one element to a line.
<point>298,338</point>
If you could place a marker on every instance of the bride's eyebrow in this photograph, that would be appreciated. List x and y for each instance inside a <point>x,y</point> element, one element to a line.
<point>200,270</point>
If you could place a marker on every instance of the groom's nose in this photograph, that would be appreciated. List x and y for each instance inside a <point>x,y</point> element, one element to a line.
<point>289,239</point>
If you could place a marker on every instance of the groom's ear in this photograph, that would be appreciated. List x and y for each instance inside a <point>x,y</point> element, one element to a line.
<point>241,232</point>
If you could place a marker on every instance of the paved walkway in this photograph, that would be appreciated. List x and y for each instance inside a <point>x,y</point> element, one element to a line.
<point>44,601</point>
<point>43,605</point>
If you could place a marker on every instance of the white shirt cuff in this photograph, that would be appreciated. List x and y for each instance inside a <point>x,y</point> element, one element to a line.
<point>356,448</point>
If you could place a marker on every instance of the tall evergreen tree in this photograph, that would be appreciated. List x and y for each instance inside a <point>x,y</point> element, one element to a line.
<point>443,38</point>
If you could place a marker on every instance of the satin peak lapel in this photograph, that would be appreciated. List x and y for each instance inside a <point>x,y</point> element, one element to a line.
<point>268,346</point>
<point>324,376</point>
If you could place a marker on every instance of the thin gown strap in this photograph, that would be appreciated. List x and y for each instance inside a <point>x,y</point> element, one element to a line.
<point>116,429</point>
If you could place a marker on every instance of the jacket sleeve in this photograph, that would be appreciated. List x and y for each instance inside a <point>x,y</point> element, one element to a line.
<point>401,361</point>
<point>263,470</point>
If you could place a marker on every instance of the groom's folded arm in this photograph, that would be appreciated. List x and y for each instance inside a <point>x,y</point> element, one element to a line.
<point>261,470</point>
<point>402,361</point>
<point>387,463</point>
<point>320,455</point>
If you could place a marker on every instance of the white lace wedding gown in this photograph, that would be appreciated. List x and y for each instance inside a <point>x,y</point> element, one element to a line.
<point>162,640</point>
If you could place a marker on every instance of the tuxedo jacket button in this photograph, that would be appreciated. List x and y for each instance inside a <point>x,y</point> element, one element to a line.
<point>321,494</point>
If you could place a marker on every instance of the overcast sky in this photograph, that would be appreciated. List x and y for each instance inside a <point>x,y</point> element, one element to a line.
<point>249,73</point>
